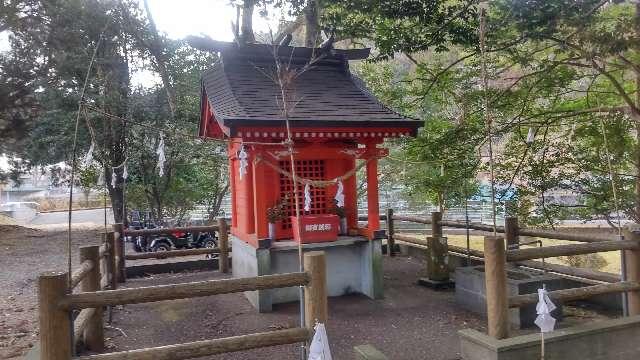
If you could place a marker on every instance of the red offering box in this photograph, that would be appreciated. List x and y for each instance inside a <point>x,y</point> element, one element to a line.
<point>316,228</point>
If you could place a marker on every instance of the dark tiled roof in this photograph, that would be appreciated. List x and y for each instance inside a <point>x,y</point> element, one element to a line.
<point>241,90</point>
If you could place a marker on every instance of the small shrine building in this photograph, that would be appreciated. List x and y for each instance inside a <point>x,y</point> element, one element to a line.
<point>336,126</point>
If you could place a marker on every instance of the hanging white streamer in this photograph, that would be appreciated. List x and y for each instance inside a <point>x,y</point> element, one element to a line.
<point>114,178</point>
<point>531,135</point>
<point>319,348</point>
<point>243,156</point>
<point>125,173</point>
<point>101,178</point>
<point>545,321</point>
<point>88,157</point>
<point>339,198</point>
<point>307,197</point>
<point>161,157</point>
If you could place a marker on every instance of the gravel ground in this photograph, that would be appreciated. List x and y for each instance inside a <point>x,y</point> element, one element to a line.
<point>412,322</point>
<point>26,252</point>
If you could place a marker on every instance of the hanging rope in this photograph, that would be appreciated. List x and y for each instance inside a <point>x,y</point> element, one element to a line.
<point>312,182</point>
<point>75,148</point>
<point>488,120</point>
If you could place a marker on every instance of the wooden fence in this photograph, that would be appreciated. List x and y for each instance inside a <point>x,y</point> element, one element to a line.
<point>496,256</point>
<point>57,332</point>
<point>121,257</point>
<point>96,272</point>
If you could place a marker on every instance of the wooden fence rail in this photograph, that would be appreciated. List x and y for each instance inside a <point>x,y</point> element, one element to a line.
<point>119,234</point>
<point>496,257</point>
<point>56,303</point>
<point>171,253</point>
<point>210,347</point>
<point>571,249</point>
<point>167,231</point>
<point>516,231</point>
<point>575,293</point>
<point>181,291</point>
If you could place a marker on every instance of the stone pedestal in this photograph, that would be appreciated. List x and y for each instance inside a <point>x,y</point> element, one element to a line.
<point>470,291</point>
<point>354,265</point>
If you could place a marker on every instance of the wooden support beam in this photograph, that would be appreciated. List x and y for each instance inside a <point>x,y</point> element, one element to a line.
<point>575,293</point>
<point>209,347</point>
<point>415,219</point>
<point>391,243</point>
<point>436,227</point>
<point>315,293</point>
<point>118,230</point>
<point>496,287</point>
<point>181,291</point>
<point>479,227</point>
<point>94,331</point>
<point>560,235</point>
<point>410,239</point>
<point>167,231</point>
<point>171,253</point>
<point>632,260</point>
<point>223,244</point>
<point>78,274</point>
<point>54,322</point>
<point>112,266</point>
<point>571,249</point>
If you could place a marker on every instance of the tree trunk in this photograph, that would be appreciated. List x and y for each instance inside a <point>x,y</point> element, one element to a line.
<point>156,49</point>
<point>312,25</point>
<point>246,30</point>
<point>636,117</point>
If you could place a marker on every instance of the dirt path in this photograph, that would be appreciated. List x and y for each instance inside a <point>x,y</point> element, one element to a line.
<point>24,253</point>
<point>412,322</point>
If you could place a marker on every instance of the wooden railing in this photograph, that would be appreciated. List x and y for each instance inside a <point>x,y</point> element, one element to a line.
<point>121,257</point>
<point>496,256</point>
<point>57,303</point>
<point>96,272</point>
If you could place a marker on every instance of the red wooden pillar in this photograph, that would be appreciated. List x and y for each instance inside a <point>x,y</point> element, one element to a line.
<point>373,212</point>
<point>260,196</point>
<point>233,188</point>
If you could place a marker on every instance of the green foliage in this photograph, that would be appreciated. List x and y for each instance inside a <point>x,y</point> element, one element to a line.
<point>404,26</point>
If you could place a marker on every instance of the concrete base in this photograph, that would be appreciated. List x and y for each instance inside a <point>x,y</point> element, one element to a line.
<point>603,340</point>
<point>354,265</point>
<point>470,291</point>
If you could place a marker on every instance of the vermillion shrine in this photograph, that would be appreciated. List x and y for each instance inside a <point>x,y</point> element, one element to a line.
<point>336,126</point>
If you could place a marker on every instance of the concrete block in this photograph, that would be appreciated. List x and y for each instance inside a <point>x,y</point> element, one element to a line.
<point>602,340</point>
<point>354,265</point>
<point>368,352</point>
<point>470,291</point>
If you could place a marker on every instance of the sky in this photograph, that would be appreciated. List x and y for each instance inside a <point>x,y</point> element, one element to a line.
<point>195,17</point>
<point>211,17</point>
<point>179,18</point>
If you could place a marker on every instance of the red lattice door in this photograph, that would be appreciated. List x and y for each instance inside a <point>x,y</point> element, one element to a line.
<point>307,169</point>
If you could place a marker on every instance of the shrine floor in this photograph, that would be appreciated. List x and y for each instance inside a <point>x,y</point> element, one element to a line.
<point>411,322</point>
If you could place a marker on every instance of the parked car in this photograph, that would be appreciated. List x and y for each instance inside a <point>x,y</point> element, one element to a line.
<point>183,240</point>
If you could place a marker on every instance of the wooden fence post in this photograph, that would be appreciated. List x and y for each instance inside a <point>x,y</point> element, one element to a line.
<point>436,228</point>
<point>94,332</point>
<point>223,238</point>
<point>437,260</point>
<point>55,323</point>
<point>496,285</point>
<point>391,243</point>
<point>315,293</point>
<point>112,266</point>
<point>511,231</point>
<point>119,246</point>
<point>632,259</point>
